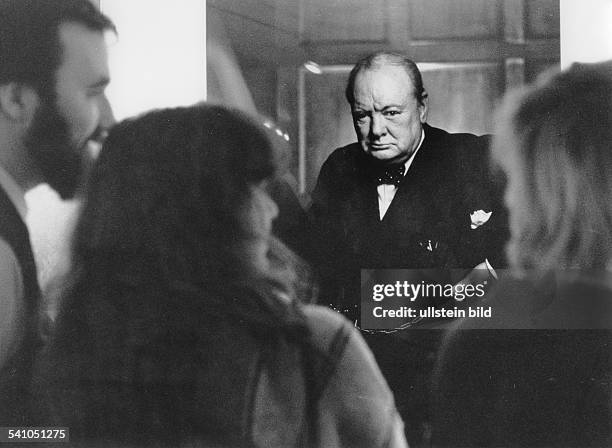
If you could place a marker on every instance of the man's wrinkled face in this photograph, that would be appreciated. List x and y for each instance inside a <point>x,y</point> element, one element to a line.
<point>387,117</point>
<point>77,114</point>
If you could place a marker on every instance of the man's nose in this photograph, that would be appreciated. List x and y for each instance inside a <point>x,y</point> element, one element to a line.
<point>107,118</point>
<point>378,127</point>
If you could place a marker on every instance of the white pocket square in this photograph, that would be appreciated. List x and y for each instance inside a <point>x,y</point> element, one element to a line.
<point>478,218</point>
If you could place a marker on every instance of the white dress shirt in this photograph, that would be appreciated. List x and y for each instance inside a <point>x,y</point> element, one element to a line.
<point>386,192</point>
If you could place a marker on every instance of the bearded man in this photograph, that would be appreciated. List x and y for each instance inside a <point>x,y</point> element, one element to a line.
<point>53,76</point>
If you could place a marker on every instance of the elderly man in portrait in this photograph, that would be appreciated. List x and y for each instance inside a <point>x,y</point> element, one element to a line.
<point>406,195</point>
<point>53,73</point>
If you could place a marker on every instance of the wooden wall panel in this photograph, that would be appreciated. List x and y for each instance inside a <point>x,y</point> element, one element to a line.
<point>259,80</point>
<point>543,18</point>
<point>287,16</point>
<point>515,72</point>
<point>327,118</point>
<point>363,20</point>
<point>261,11</point>
<point>287,112</point>
<point>462,96</point>
<point>444,19</point>
<point>534,68</point>
<point>514,20</point>
<point>398,28</point>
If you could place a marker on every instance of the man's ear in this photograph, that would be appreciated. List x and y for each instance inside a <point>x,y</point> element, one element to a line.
<point>424,106</point>
<point>18,102</point>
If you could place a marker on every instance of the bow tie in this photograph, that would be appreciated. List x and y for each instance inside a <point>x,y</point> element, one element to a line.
<point>391,175</point>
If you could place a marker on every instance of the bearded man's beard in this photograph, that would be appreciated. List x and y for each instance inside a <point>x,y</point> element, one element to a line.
<point>49,145</point>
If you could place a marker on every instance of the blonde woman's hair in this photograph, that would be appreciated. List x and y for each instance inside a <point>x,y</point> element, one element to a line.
<point>554,142</point>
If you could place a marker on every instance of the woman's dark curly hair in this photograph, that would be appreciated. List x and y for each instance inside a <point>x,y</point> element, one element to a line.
<point>155,260</point>
<point>167,187</point>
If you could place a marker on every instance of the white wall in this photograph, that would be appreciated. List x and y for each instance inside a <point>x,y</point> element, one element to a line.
<point>159,58</point>
<point>586,31</point>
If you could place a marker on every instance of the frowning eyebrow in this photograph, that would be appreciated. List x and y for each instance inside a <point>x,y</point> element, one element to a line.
<point>382,109</point>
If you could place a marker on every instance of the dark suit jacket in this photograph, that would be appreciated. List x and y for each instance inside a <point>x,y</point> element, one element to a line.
<point>448,180</point>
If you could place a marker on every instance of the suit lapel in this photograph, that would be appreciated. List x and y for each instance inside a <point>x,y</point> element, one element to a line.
<point>361,207</point>
<point>412,198</point>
